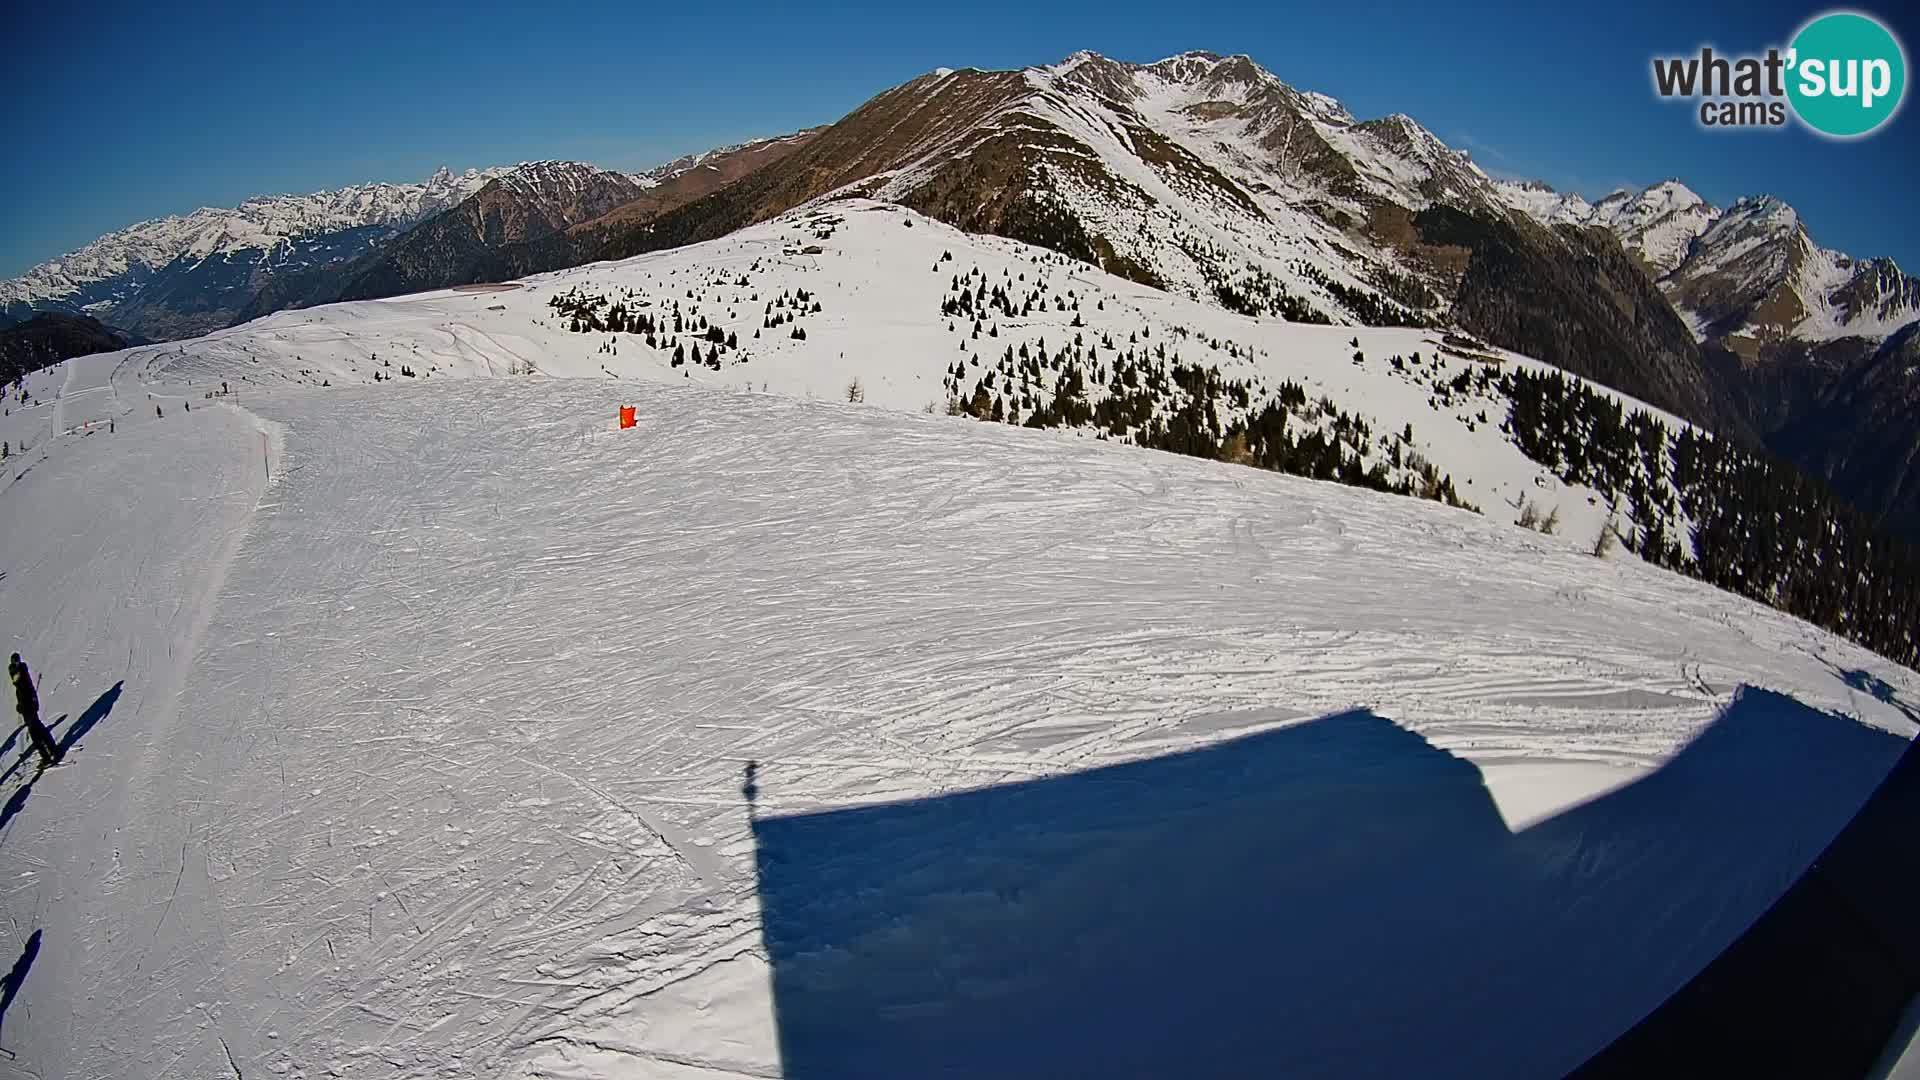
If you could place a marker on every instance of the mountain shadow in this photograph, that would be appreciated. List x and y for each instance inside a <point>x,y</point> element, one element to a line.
<point>50,337</point>
<point>1334,898</point>
<point>1817,985</point>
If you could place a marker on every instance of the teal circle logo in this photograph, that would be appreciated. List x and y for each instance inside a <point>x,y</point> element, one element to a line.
<point>1847,75</point>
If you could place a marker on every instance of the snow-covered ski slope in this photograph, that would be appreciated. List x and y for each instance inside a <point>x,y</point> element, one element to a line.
<point>796,737</point>
<point>879,274</point>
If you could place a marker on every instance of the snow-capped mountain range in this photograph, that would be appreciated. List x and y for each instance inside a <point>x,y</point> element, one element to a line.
<point>190,273</point>
<point>1658,225</point>
<point>258,224</point>
<point>1217,143</point>
<point>525,208</point>
<point>1743,275</point>
<point>1202,175</point>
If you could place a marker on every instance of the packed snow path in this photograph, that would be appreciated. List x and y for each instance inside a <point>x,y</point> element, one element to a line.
<point>429,757</point>
<point>114,546</point>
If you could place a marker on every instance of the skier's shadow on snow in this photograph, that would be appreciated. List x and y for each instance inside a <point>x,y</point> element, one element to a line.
<point>1334,898</point>
<point>1867,682</point>
<point>17,977</point>
<point>66,736</point>
<point>15,803</point>
<point>95,713</point>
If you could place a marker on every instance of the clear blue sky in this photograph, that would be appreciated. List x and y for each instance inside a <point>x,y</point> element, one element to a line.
<point>120,112</point>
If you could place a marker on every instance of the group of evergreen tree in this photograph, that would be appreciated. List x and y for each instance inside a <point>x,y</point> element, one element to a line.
<point>689,352</point>
<point>1142,393</point>
<point>1259,293</point>
<point>690,336</point>
<point>1370,308</point>
<point>788,308</point>
<point>1145,394</point>
<point>1690,502</point>
<point>969,297</point>
<point>1754,525</point>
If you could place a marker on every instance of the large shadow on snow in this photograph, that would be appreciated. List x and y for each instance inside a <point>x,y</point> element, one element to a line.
<point>1337,898</point>
<point>15,978</point>
<point>6,746</point>
<point>1817,984</point>
<point>96,712</point>
<point>16,802</point>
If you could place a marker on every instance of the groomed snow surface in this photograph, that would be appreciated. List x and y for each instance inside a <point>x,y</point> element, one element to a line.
<point>880,274</point>
<point>437,728</point>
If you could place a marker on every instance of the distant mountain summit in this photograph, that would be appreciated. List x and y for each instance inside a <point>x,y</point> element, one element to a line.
<point>1744,276</point>
<point>534,202</point>
<point>528,201</point>
<point>188,274</point>
<point>1755,276</point>
<point>1657,225</point>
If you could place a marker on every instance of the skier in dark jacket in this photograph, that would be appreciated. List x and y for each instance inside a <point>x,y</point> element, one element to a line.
<point>27,700</point>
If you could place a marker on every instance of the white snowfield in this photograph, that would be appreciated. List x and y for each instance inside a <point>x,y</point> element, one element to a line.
<point>880,273</point>
<point>778,737</point>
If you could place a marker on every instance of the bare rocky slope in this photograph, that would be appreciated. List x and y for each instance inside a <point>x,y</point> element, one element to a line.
<point>458,246</point>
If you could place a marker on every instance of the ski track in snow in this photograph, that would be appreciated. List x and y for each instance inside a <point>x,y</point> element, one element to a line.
<point>430,752</point>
